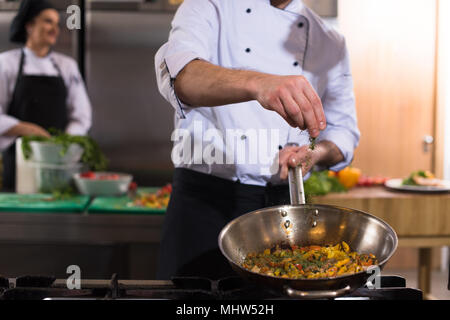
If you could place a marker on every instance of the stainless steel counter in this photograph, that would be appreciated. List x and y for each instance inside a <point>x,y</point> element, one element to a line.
<point>103,244</point>
<point>80,228</point>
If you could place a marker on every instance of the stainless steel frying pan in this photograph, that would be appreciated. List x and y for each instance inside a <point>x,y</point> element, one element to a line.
<point>303,224</point>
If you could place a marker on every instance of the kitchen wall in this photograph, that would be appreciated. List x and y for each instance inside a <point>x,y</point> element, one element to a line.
<point>444,79</point>
<point>132,122</point>
<point>443,100</point>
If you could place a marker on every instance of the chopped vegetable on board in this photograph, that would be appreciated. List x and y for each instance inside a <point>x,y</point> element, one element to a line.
<point>158,200</point>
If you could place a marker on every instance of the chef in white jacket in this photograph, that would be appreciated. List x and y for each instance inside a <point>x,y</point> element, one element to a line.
<point>39,88</point>
<point>263,70</point>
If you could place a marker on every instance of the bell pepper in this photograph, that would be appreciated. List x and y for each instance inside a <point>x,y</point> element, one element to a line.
<point>332,174</point>
<point>349,177</point>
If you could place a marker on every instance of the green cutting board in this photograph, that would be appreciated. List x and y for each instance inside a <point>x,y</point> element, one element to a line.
<point>12,202</point>
<point>122,205</point>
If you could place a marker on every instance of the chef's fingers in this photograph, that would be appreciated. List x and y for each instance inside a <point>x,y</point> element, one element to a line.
<point>286,152</point>
<point>42,132</point>
<point>293,111</point>
<point>317,106</point>
<point>278,106</point>
<point>305,163</point>
<point>284,157</point>
<point>45,134</point>
<point>298,157</point>
<point>35,130</point>
<point>302,157</point>
<point>284,172</point>
<point>308,114</point>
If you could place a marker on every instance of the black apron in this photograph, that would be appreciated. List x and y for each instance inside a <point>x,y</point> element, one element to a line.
<point>200,206</point>
<point>37,99</point>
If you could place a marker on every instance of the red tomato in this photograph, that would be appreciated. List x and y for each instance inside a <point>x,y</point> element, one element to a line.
<point>166,189</point>
<point>133,186</point>
<point>88,175</point>
<point>370,181</point>
<point>109,177</point>
<point>362,181</point>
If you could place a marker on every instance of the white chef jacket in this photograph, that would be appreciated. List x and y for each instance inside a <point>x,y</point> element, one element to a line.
<point>254,35</point>
<point>78,103</point>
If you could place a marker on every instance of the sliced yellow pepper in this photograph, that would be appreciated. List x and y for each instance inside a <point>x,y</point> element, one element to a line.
<point>345,246</point>
<point>342,262</point>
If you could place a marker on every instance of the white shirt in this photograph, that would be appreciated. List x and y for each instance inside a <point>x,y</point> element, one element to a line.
<point>78,103</point>
<point>254,35</point>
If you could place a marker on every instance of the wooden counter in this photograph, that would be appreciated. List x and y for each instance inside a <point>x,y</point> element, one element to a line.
<point>410,214</point>
<point>421,220</point>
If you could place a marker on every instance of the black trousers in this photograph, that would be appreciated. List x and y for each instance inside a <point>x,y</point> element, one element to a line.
<point>201,205</point>
<point>9,169</point>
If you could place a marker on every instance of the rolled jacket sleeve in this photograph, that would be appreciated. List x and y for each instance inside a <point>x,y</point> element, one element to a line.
<point>79,106</point>
<point>339,106</point>
<point>194,35</point>
<point>6,121</point>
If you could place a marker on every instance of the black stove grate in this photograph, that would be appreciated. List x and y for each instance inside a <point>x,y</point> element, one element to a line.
<point>186,288</point>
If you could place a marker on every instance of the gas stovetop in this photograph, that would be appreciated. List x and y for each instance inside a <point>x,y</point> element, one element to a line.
<point>192,288</point>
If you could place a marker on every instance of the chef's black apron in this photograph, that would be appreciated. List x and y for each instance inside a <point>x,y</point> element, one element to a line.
<point>201,205</point>
<point>37,99</point>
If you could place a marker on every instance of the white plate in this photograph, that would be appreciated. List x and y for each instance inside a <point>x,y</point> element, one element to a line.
<point>397,184</point>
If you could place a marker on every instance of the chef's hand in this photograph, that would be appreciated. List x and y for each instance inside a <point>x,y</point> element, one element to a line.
<point>294,99</point>
<point>27,129</point>
<point>291,157</point>
<point>325,153</point>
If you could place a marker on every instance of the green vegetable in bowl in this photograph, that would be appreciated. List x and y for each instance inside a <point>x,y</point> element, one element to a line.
<point>92,155</point>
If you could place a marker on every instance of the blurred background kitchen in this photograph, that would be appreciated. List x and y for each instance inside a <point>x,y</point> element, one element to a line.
<point>400,54</point>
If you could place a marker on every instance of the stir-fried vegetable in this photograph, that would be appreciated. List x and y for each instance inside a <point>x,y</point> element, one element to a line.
<point>311,262</point>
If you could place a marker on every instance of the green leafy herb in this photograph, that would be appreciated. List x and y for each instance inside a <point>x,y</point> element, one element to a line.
<point>63,194</point>
<point>92,155</point>
<point>410,180</point>
<point>320,184</point>
<point>312,144</point>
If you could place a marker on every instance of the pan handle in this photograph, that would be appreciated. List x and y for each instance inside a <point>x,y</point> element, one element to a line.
<point>322,294</point>
<point>296,186</point>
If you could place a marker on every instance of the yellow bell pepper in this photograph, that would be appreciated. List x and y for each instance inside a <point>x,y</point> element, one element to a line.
<point>345,246</point>
<point>342,262</point>
<point>349,177</point>
<point>332,174</point>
